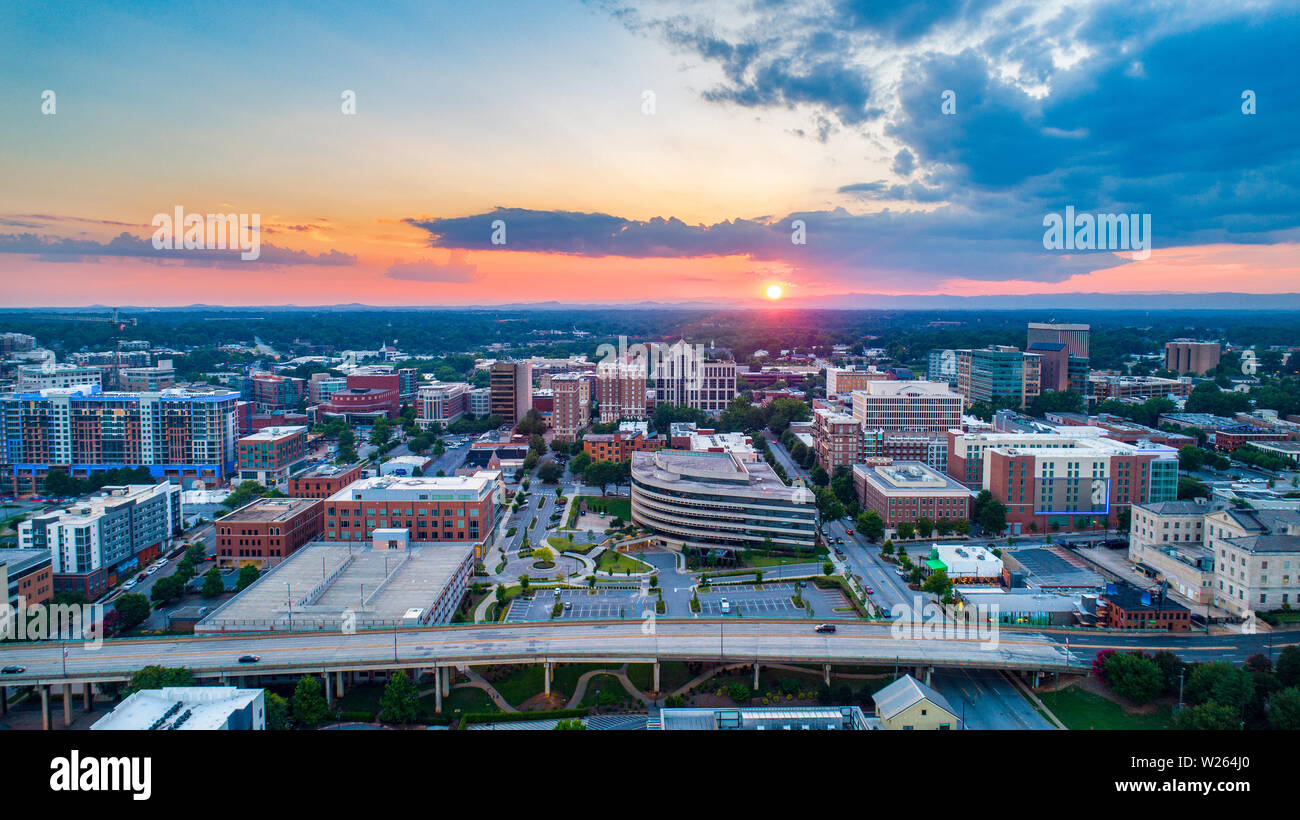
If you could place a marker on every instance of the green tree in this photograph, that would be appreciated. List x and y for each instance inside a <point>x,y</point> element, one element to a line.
<point>309,707</point>
<point>159,677</point>
<point>133,608</point>
<point>924,526</point>
<point>400,702</point>
<point>906,530</point>
<point>938,583</point>
<point>1288,666</point>
<point>1208,716</point>
<point>212,583</point>
<point>1284,709</point>
<point>550,472</point>
<point>167,589</point>
<point>247,575</point>
<point>277,712</point>
<point>569,725</point>
<point>1133,676</point>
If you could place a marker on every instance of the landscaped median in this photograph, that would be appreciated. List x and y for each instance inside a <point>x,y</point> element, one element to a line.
<point>618,563</point>
<point>512,717</point>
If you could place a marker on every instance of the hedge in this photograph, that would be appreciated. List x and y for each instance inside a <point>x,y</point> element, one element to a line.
<point>510,717</point>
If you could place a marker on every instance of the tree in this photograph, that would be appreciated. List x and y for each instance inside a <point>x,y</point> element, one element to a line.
<point>1208,716</point>
<point>543,554</point>
<point>937,583</point>
<point>167,589</point>
<point>247,575</point>
<point>993,517</point>
<point>400,702</point>
<point>871,525</point>
<point>569,725</point>
<point>277,712</point>
<point>212,584</point>
<point>1284,709</point>
<point>550,472</point>
<point>1133,676</point>
<point>159,677</point>
<point>924,526</point>
<point>309,708</point>
<point>133,609</point>
<point>1288,666</point>
<point>1221,682</point>
<point>381,431</point>
<point>906,530</point>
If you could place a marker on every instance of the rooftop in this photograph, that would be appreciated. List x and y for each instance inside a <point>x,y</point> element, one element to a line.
<point>270,510</point>
<point>425,488</point>
<point>904,693</point>
<point>179,707</point>
<point>275,433</point>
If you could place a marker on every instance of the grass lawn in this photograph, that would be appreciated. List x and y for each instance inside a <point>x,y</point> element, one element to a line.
<point>521,684</point>
<point>561,544</point>
<point>468,699</point>
<point>564,676</point>
<point>619,563</point>
<point>607,684</point>
<point>361,698</point>
<point>1080,709</point>
<point>761,561</point>
<point>618,507</point>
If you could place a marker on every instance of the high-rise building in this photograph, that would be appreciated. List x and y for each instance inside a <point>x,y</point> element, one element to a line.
<point>51,376</point>
<point>511,384</point>
<point>1187,356</point>
<point>999,375</point>
<point>907,407</point>
<point>682,374</point>
<point>272,454</point>
<point>1074,336</point>
<point>101,539</point>
<point>620,390</point>
<point>940,366</point>
<point>271,393</point>
<point>572,408</point>
<point>837,439</point>
<point>180,434</point>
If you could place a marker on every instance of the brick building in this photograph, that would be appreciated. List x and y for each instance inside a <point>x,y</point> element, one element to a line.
<point>266,531</point>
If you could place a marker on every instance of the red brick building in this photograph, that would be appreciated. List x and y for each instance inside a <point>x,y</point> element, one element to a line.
<point>265,532</point>
<point>271,454</point>
<point>323,481</point>
<point>450,508</point>
<point>619,446</point>
<point>1127,607</point>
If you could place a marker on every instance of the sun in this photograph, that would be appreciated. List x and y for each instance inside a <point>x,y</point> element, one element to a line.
<point>774,292</point>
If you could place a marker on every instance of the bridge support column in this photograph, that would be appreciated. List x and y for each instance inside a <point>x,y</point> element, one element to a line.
<point>656,664</point>
<point>437,690</point>
<point>4,700</point>
<point>45,706</point>
<point>329,689</point>
<point>88,697</point>
<point>755,676</point>
<point>446,681</point>
<point>339,680</point>
<point>929,670</point>
<point>67,704</point>
<point>546,677</point>
<point>1036,674</point>
<point>826,673</point>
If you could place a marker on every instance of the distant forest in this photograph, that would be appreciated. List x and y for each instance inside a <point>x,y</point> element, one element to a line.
<point>905,334</point>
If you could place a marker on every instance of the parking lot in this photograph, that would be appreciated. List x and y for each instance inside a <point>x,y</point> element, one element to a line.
<point>773,601</point>
<point>584,605</point>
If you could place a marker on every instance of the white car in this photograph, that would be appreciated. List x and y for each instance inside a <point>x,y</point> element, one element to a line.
<point>725,605</point>
<point>130,584</point>
<point>151,571</point>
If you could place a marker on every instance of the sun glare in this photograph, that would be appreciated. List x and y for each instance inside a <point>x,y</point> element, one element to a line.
<point>774,291</point>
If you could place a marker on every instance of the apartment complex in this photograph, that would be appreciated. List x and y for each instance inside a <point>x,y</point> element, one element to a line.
<point>269,392</point>
<point>1073,336</point>
<point>451,508</point>
<point>621,390</point>
<point>266,531</point>
<point>837,439</point>
<point>272,454</point>
<point>1188,356</point>
<point>999,374</point>
<point>572,409</point>
<point>622,443</point>
<point>719,500</point>
<point>682,374</point>
<point>34,378</point>
<point>1256,559</point>
<point>26,577</point>
<point>103,538</point>
<point>511,384</point>
<point>180,434</point>
<point>144,379</point>
<point>907,490</point>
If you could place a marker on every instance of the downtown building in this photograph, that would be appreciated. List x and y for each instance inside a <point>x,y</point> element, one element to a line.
<point>511,386</point>
<point>905,491</point>
<point>837,439</point>
<point>1103,386</point>
<point>1073,336</point>
<point>999,375</point>
<point>1256,557</point>
<point>683,375</point>
<point>1167,543</point>
<point>272,454</point>
<point>270,393</point>
<point>571,411</point>
<point>266,531</point>
<point>619,445</point>
<point>841,381</point>
<point>621,390</point>
<point>103,538</point>
<point>907,420</point>
<point>180,434</point>
<point>34,378</point>
<point>702,500</point>
<point>441,403</point>
<point>1191,357</point>
<point>451,508</point>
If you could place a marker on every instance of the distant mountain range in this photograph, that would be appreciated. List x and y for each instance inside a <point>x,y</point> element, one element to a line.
<point>1226,301</point>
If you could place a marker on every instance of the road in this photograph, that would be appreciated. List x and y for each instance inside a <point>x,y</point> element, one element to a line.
<point>985,699</point>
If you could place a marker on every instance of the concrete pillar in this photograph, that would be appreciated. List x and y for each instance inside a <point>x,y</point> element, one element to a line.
<point>929,670</point>
<point>87,697</point>
<point>755,676</point>
<point>4,700</point>
<point>656,676</point>
<point>329,690</point>
<point>67,704</point>
<point>826,673</point>
<point>45,706</point>
<point>446,681</point>
<point>437,690</point>
<point>1036,673</point>
<point>546,676</point>
<point>339,680</point>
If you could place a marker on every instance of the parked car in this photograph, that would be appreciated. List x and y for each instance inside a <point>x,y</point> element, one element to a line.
<point>130,584</point>
<point>825,627</point>
<point>725,605</point>
<point>870,590</point>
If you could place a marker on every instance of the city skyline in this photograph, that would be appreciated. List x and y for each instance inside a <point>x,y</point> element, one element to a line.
<point>623,146</point>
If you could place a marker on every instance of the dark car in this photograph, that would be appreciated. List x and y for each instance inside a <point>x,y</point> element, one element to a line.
<point>13,670</point>
<point>825,627</point>
<point>249,658</point>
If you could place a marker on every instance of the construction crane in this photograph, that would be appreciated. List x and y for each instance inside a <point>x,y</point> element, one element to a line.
<point>122,322</point>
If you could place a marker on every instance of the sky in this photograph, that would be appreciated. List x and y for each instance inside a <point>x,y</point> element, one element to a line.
<point>627,151</point>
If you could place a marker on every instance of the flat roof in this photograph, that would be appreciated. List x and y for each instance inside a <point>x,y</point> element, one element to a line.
<point>204,708</point>
<point>270,509</point>
<point>274,433</point>
<point>318,583</point>
<point>393,487</point>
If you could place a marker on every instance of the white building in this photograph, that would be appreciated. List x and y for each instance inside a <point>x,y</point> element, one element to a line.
<point>907,407</point>
<point>204,708</point>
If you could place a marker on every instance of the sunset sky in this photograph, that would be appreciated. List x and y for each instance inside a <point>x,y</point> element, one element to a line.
<point>644,150</point>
